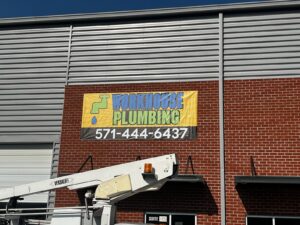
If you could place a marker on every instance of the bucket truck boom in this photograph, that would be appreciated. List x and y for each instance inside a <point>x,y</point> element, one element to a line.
<point>113,184</point>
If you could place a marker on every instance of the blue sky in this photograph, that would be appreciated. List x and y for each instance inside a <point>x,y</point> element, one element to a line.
<point>21,8</point>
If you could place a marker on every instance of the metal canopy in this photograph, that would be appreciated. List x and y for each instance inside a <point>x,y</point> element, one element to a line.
<point>244,180</point>
<point>188,178</point>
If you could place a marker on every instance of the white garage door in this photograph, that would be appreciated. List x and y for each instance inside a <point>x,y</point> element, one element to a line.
<point>25,163</point>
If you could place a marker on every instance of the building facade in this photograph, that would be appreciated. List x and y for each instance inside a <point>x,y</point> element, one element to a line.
<point>244,62</point>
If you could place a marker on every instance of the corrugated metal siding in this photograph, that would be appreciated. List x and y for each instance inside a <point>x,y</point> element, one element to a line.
<point>32,77</point>
<point>25,163</point>
<point>260,45</point>
<point>34,61</point>
<point>146,51</point>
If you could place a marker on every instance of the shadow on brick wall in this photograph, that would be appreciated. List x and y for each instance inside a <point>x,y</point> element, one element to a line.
<point>174,197</point>
<point>266,199</point>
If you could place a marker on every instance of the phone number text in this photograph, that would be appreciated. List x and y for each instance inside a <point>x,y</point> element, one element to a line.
<point>142,133</point>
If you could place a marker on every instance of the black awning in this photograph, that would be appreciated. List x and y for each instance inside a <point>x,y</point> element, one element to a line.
<point>189,178</point>
<point>242,180</point>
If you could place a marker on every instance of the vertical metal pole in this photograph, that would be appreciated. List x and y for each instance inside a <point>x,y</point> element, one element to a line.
<point>51,194</point>
<point>221,121</point>
<point>69,54</point>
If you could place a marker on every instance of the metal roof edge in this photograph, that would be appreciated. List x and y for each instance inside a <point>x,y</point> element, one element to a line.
<point>164,12</point>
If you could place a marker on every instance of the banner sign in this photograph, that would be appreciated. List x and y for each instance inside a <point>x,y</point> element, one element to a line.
<point>149,115</point>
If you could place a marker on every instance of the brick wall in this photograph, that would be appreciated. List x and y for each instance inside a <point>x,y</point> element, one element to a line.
<point>261,120</point>
<point>204,150</point>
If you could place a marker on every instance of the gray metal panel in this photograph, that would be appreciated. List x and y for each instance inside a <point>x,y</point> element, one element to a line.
<point>32,77</point>
<point>24,163</point>
<point>28,139</point>
<point>145,51</point>
<point>262,45</point>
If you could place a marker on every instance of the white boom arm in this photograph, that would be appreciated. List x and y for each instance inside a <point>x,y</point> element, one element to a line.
<point>163,167</point>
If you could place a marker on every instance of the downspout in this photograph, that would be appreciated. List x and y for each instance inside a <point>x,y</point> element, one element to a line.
<point>221,120</point>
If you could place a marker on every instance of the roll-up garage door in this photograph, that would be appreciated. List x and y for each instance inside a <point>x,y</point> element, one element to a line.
<point>25,163</point>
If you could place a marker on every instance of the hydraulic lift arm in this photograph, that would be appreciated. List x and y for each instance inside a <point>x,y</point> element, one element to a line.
<point>114,183</point>
<point>162,168</point>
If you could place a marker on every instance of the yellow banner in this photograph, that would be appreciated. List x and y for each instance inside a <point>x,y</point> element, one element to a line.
<point>140,109</point>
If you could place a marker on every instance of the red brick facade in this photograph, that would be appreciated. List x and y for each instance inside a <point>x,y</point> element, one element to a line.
<point>261,120</point>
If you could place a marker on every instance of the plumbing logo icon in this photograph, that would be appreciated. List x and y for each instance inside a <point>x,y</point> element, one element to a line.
<point>97,106</point>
